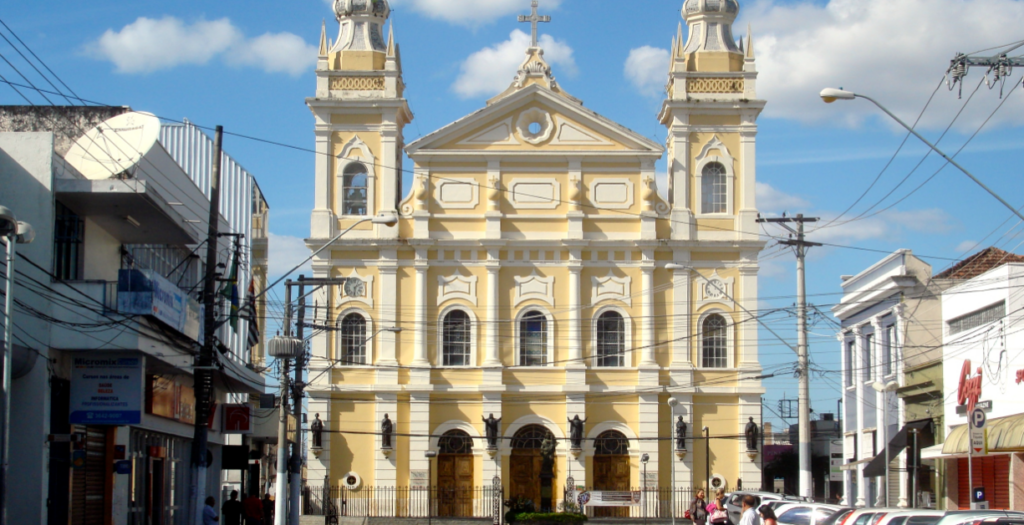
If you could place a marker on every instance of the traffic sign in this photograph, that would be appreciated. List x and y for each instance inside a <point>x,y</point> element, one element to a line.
<point>977,424</point>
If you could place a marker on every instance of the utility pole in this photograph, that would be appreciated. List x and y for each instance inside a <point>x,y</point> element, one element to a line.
<point>295,464</point>
<point>281,501</point>
<point>1000,67</point>
<point>804,393</point>
<point>203,375</point>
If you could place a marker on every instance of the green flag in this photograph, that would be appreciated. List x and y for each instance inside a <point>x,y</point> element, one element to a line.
<point>230,292</point>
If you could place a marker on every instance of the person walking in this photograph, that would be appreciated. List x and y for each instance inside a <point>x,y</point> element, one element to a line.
<point>717,513</point>
<point>268,509</point>
<point>768,516</point>
<point>253,510</point>
<point>209,514</point>
<point>231,510</point>
<point>699,509</point>
<point>749,514</point>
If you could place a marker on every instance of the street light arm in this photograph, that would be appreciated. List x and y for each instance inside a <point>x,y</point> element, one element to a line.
<point>838,95</point>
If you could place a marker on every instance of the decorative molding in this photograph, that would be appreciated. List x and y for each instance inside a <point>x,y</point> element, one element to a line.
<point>535,287</point>
<point>605,426</point>
<point>369,330</point>
<point>535,194</point>
<point>715,289</point>
<point>726,160</point>
<point>479,442</point>
<point>457,194</point>
<point>357,83</point>
<point>369,161</point>
<point>714,85</point>
<point>612,192</point>
<point>366,298</point>
<point>610,287</point>
<point>570,134</point>
<point>500,134</point>
<point>535,116</point>
<point>456,287</point>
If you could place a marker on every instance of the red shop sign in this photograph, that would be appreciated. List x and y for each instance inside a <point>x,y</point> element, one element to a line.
<point>969,390</point>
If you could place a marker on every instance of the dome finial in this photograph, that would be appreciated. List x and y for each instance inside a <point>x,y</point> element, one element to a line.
<point>710,23</point>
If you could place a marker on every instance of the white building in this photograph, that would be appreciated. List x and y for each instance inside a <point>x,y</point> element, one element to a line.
<point>116,210</point>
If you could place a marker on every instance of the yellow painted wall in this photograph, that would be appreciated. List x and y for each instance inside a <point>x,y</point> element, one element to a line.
<point>348,451</point>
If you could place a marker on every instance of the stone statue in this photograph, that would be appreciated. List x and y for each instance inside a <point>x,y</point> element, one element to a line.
<point>386,427</point>
<point>680,434</point>
<point>317,428</point>
<point>576,432</point>
<point>547,456</point>
<point>491,425</point>
<point>752,434</point>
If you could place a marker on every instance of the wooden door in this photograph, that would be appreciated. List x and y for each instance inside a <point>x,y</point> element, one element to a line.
<point>455,485</point>
<point>611,473</point>
<point>525,466</point>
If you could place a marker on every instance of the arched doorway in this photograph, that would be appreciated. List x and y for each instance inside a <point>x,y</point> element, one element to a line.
<point>611,469</point>
<point>525,466</point>
<point>455,474</point>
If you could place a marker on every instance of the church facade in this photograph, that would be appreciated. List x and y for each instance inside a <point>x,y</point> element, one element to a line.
<point>534,275</point>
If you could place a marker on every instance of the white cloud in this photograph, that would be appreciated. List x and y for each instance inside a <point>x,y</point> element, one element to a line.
<point>966,246</point>
<point>894,50</point>
<point>772,200</point>
<point>893,225</point>
<point>647,68</point>
<point>285,253</point>
<point>471,13</point>
<point>147,45</point>
<point>491,70</point>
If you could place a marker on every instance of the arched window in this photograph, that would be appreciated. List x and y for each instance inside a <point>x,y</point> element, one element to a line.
<point>611,443</point>
<point>352,341</point>
<point>533,339</point>
<point>456,339</point>
<point>715,342</point>
<point>455,442</point>
<point>530,437</point>
<point>714,189</point>
<point>354,189</point>
<point>611,339</point>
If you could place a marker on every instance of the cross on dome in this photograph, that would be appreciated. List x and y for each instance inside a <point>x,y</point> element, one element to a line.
<point>533,19</point>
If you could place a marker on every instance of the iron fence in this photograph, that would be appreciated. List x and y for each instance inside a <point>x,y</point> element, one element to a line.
<point>400,502</point>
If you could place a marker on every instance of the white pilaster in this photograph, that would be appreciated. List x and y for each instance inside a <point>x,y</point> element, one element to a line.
<point>390,178</point>
<point>681,308</point>
<point>419,442</point>
<point>647,357</point>
<point>683,227</point>
<point>319,467</point>
<point>750,469</point>
<point>862,443</point>
<point>575,368</point>
<point>492,467</point>
<point>685,476</point>
<point>492,347</point>
<point>322,223</point>
<point>388,268</point>
<point>748,331</point>
<point>576,404</point>
<point>648,411</point>
<point>747,176</point>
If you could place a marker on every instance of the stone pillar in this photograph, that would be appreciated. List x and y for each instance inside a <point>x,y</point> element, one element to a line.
<point>862,445</point>
<point>750,468</point>
<point>648,409</point>
<point>685,475</point>
<point>388,268</point>
<point>575,368</point>
<point>492,466</point>
<point>647,358</point>
<point>420,355</point>
<point>322,223</point>
<point>492,345</point>
<point>683,226</point>
<point>385,471</point>
<point>319,467</point>
<point>390,178</point>
<point>748,330</point>
<point>577,468</point>
<point>744,184</point>
<point>419,466</point>
<point>883,406</point>
<point>681,308</point>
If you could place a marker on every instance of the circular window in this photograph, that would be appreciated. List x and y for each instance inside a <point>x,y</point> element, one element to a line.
<point>535,125</point>
<point>717,482</point>
<point>352,481</point>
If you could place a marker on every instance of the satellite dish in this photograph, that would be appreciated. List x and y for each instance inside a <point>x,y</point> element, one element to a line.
<point>114,148</point>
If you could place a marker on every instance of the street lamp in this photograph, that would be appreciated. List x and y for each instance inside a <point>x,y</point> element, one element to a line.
<point>830,95</point>
<point>707,456</point>
<point>672,404</point>
<point>429,454</point>
<point>643,460</point>
<point>13,232</point>
<point>885,389</point>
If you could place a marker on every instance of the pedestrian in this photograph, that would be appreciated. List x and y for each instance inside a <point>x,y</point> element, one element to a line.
<point>768,515</point>
<point>210,515</point>
<point>749,514</point>
<point>231,510</point>
<point>699,509</point>
<point>718,514</point>
<point>253,510</point>
<point>268,509</point>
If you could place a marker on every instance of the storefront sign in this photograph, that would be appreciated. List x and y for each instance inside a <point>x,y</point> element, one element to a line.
<point>984,405</point>
<point>237,419</point>
<point>610,498</point>
<point>144,292</point>
<point>171,400</point>
<point>969,390</point>
<point>106,391</point>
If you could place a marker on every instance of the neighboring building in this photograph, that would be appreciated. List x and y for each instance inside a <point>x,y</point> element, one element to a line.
<point>984,367</point>
<point>826,434</point>
<point>889,314</point>
<point>108,290</point>
<point>535,275</point>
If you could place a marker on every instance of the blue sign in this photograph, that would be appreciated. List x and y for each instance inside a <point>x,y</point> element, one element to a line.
<point>145,292</point>
<point>123,466</point>
<point>106,390</point>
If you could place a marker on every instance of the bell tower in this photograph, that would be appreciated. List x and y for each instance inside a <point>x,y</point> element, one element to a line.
<point>711,114</point>
<point>360,113</point>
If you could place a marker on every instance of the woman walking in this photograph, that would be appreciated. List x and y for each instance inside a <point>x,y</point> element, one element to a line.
<point>768,516</point>
<point>699,509</point>
<point>717,513</point>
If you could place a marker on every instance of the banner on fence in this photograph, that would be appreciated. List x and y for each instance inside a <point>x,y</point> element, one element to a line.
<point>609,498</point>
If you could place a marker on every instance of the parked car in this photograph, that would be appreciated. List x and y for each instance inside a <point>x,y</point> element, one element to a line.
<point>837,516</point>
<point>912,517</point>
<point>804,513</point>
<point>971,517</point>
<point>867,516</point>
<point>734,503</point>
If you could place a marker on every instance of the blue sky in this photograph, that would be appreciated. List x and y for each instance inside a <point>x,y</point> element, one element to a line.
<point>248,66</point>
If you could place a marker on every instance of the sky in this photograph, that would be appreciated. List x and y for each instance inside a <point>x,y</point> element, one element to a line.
<point>249,66</point>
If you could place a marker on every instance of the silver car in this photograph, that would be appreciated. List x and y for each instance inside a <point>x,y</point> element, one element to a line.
<point>804,513</point>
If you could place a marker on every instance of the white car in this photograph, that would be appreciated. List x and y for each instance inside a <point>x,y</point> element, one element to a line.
<point>804,513</point>
<point>912,517</point>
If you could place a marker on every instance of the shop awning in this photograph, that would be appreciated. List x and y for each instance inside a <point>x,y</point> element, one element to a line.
<point>1005,434</point>
<point>899,442</point>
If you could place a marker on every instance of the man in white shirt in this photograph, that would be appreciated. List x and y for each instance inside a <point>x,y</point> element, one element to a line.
<point>209,514</point>
<point>749,513</point>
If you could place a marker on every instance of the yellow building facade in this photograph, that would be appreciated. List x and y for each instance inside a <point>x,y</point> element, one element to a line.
<point>535,274</point>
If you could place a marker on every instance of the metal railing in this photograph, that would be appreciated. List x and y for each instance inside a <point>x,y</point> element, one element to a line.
<point>400,502</point>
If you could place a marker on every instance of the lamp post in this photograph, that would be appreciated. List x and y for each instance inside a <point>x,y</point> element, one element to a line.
<point>13,232</point>
<point>830,95</point>
<point>672,404</point>
<point>707,456</point>
<point>430,454</point>
<point>643,460</point>
<point>885,389</point>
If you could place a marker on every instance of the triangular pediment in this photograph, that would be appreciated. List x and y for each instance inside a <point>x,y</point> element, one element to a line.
<point>534,119</point>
